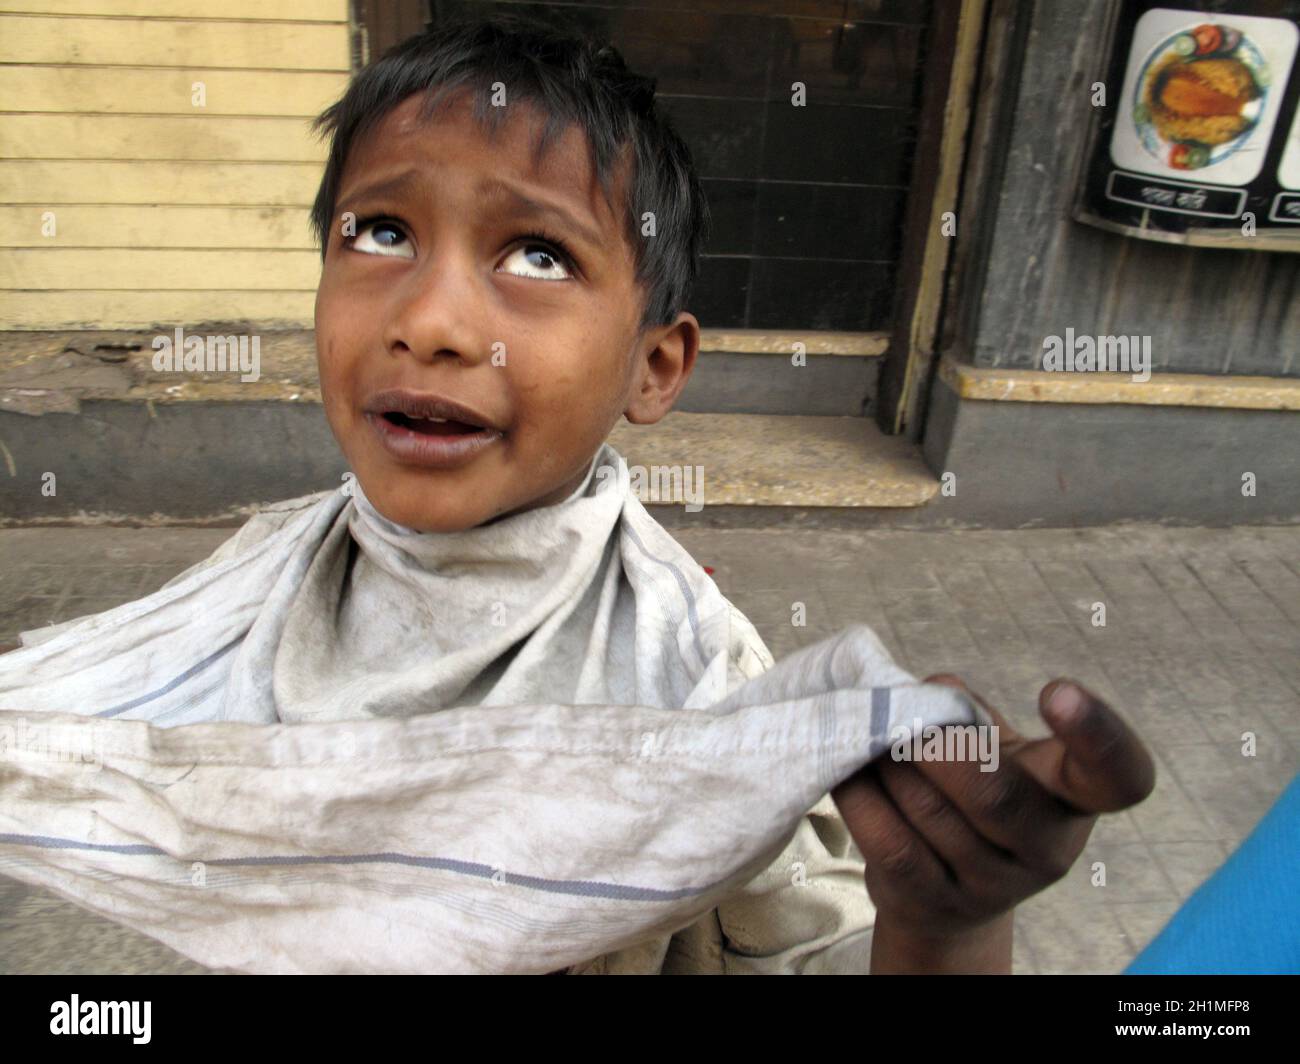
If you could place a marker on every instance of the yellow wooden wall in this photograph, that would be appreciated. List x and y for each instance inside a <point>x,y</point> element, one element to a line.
<point>165,212</point>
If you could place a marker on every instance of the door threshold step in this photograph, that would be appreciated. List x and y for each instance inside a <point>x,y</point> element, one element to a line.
<point>129,442</point>
<point>778,460</point>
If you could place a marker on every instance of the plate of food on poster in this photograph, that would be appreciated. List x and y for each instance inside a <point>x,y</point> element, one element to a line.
<point>1200,95</point>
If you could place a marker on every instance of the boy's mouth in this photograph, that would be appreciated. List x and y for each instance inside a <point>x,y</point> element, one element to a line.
<point>428,413</point>
<point>424,429</point>
<point>431,426</point>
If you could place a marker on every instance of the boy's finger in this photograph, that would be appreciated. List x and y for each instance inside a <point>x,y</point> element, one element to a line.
<point>973,859</point>
<point>1006,733</point>
<point>885,839</point>
<point>1009,807</point>
<point>1099,764</point>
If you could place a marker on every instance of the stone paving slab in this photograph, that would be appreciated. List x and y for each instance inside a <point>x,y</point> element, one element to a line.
<point>1201,643</point>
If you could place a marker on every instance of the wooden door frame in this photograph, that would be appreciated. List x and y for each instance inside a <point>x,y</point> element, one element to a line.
<point>380,24</point>
<point>958,40</point>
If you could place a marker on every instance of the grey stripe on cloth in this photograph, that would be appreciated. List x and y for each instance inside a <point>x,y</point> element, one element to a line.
<point>153,696</point>
<point>685,588</point>
<point>584,888</point>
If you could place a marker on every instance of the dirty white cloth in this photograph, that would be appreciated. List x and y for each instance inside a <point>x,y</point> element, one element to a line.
<point>341,746</point>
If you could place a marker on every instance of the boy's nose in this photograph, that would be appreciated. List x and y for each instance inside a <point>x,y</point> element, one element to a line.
<point>435,313</point>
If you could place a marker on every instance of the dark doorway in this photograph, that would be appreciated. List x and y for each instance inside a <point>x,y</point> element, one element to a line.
<point>808,199</point>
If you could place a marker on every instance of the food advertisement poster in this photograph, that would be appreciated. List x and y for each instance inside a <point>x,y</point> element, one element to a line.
<point>1201,130</point>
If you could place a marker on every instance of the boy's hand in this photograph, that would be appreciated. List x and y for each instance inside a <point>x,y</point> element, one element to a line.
<point>950,850</point>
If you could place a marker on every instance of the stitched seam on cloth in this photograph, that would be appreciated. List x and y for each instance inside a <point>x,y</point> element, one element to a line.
<point>158,757</point>
<point>880,698</point>
<point>826,729</point>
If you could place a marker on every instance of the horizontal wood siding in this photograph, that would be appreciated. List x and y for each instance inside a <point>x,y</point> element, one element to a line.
<point>165,212</point>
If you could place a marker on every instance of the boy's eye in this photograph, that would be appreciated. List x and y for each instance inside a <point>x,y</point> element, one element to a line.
<point>383,238</point>
<point>536,260</point>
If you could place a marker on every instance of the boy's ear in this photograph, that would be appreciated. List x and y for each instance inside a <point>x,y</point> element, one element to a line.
<point>665,361</point>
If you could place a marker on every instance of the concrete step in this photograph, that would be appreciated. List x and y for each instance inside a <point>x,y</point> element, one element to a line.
<point>127,443</point>
<point>748,371</point>
<point>779,460</point>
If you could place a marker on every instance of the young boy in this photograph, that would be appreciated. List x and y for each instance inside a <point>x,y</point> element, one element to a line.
<point>509,233</point>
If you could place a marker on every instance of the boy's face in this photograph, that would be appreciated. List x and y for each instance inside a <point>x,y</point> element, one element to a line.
<point>444,290</point>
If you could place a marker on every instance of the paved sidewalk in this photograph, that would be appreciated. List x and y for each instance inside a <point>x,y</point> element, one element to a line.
<point>1201,644</point>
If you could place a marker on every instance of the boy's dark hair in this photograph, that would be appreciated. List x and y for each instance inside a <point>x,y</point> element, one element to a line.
<point>572,79</point>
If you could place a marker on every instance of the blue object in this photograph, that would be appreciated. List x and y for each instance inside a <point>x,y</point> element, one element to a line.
<point>1243,920</point>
